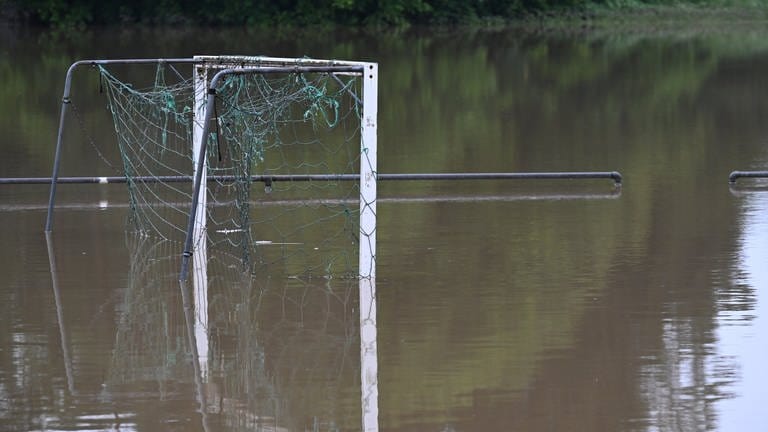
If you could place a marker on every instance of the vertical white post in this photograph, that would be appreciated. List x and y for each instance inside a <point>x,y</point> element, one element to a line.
<point>200,246</point>
<point>369,368</point>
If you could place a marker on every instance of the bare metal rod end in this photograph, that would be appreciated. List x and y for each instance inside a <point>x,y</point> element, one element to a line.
<point>617,179</point>
<point>735,175</point>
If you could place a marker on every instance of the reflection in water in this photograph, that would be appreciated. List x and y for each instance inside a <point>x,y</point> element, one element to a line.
<point>283,354</point>
<point>150,339</point>
<point>200,294</point>
<point>265,355</point>
<point>743,331</point>
<point>679,384</point>
<point>521,314</point>
<point>512,196</point>
<point>279,354</point>
<point>711,376</point>
<point>150,353</point>
<point>369,364</point>
<point>65,348</point>
<point>199,363</point>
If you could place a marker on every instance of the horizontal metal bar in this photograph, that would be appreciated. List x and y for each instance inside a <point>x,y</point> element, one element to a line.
<point>615,176</point>
<point>235,61</point>
<point>255,70</point>
<point>95,62</point>
<point>95,180</point>
<point>241,61</point>
<point>105,204</point>
<point>735,175</point>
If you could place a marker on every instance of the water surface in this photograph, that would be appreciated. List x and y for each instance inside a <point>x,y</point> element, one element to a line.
<point>556,305</point>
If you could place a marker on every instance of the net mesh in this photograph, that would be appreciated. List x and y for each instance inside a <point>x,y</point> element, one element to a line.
<point>289,351</point>
<point>288,124</point>
<point>154,134</point>
<point>150,345</point>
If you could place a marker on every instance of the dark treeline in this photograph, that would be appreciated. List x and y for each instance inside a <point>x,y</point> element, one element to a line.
<point>75,13</point>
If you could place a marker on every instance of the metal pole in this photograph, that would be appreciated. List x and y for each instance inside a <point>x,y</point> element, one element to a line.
<point>198,180</point>
<point>57,156</point>
<point>101,205</point>
<point>617,178</point>
<point>735,175</point>
<point>614,175</point>
<point>200,252</point>
<point>369,364</point>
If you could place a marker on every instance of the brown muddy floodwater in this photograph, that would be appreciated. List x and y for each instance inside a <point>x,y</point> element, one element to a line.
<point>502,306</point>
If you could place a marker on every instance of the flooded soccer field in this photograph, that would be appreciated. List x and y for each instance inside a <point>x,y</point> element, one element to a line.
<point>523,305</point>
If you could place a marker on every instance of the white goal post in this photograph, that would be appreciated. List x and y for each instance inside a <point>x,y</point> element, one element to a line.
<point>210,70</point>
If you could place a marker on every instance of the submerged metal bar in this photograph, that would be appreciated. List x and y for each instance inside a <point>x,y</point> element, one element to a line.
<point>735,175</point>
<point>65,100</point>
<point>104,204</point>
<point>506,176</point>
<point>615,176</point>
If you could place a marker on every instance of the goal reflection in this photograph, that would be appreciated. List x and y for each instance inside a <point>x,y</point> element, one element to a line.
<point>259,351</point>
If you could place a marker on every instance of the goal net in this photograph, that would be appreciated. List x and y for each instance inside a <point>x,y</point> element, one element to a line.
<point>288,155</point>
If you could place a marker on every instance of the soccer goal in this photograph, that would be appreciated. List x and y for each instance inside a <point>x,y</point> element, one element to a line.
<point>270,159</point>
<point>270,162</point>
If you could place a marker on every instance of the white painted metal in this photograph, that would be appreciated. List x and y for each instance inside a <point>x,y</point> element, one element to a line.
<point>200,248</point>
<point>368,196</point>
<point>200,294</point>
<point>368,173</point>
<point>200,83</point>
<point>369,368</point>
<point>369,364</point>
<point>228,62</point>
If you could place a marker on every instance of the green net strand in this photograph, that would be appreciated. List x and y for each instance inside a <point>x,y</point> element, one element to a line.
<point>319,102</point>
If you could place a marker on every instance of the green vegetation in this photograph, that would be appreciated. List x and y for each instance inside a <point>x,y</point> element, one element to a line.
<point>80,13</point>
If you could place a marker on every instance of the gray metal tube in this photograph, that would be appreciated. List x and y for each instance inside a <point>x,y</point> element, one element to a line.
<point>615,176</point>
<point>210,101</point>
<point>735,175</point>
<point>59,136</point>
